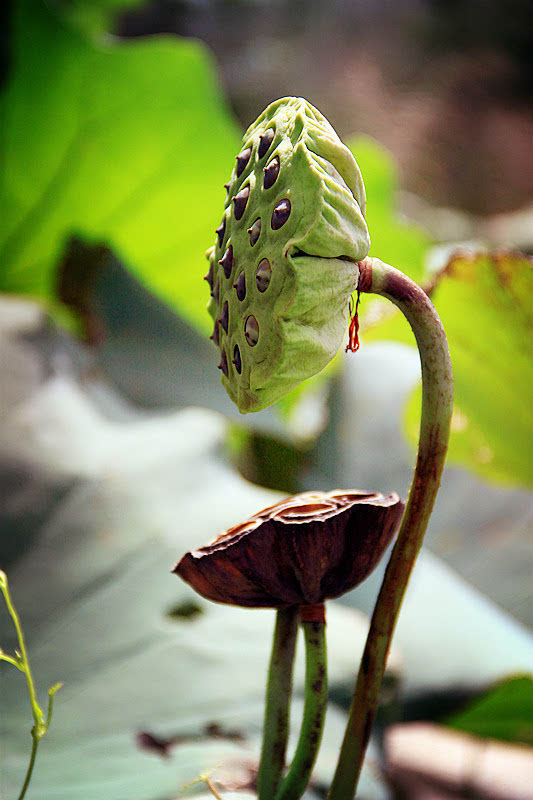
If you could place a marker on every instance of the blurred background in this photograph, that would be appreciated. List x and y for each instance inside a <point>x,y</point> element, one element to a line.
<point>119,449</point>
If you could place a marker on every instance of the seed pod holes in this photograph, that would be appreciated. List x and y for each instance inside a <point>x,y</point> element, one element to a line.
<point>265,140</point>
<point>255,231</point>
<point>227,262</point>
<point>251,330</point>
<point>276,292</point>
<point>271,172</point>
<point>263,275</point>
<point>223,363</point>
<point>209,277</point>
<point>237,359</point>
<point>240,286</point>
<point>239,202</point>
<point>281,214</point>
<point>242,160</point>
<point>220,231</point>
<point>224,316</point>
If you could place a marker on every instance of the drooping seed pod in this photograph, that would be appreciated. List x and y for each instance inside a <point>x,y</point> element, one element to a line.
<point>294,220</point>
<point>301,551</point>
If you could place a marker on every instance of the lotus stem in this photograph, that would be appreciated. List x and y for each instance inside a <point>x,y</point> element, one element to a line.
<point>316,697</point>
<point>277,705</point>
<point>437,402</point>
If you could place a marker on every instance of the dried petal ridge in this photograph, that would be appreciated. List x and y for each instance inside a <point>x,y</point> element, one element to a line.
<point>301,551</point>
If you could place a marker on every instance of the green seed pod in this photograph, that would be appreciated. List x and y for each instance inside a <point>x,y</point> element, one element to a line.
<point>284,264</point>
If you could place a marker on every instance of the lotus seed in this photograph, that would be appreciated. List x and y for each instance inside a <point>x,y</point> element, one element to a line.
<point>271,173</point>
<point>209,276</point>
<point>265,140</point>
<point>237,359</point>
<point>220,231</point>
<point>215,335</point>
<point>251,331</point>
<point>223,364</point>
<point>240,286</point>
<point>242,160</point>
<point>240,200</point>
<point>227,262</point>
<point>224,317</point>
<point>281,213</point>
<point>254,231</point>
<point>263,275</point>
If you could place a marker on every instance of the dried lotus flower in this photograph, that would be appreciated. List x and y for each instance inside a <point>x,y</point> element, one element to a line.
<point>294,229</point>
<point>301,551</point>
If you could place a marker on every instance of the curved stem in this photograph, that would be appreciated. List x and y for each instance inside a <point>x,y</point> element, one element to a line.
<point>316,696</point>
<point>279,688</point>
<point>437,402</point>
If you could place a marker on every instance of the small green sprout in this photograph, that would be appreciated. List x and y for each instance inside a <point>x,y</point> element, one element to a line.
<point>20,661</point>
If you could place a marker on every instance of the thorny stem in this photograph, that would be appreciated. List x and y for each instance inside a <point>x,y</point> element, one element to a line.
<point>279,688</point>
<point>316,696</point>
<point>437,402</point>
<point>21,661</point>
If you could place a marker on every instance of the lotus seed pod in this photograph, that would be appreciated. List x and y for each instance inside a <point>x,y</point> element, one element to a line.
<point>285,259</point>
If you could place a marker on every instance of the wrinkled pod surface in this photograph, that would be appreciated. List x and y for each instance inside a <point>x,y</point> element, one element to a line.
<point>283,266</point>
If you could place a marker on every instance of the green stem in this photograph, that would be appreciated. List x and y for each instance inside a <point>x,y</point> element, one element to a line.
<point>437,402</point>
<point>24,664</point>
<point>316,696</point>
<point>35,744</point>
<point>279,688</point>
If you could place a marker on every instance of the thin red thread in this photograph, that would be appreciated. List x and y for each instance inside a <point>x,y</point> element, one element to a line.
<point>353,330</point>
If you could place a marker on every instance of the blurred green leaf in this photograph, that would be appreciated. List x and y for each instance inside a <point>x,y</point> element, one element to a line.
<point>505,712</point>
<point>93,17</point>
<point>128,143</point>
<point>394,239</point>
<point>486,305</point>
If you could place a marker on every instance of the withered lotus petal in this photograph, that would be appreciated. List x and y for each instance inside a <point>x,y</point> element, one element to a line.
<point>303,550</point>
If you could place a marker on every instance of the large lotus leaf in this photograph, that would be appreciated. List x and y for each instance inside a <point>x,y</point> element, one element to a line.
<point>486,305</point>
<point>127,494</point>
<point>136,649</point>
<point>128,142</point>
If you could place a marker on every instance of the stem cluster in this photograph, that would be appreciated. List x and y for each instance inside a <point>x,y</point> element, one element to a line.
<point>272,784</point>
